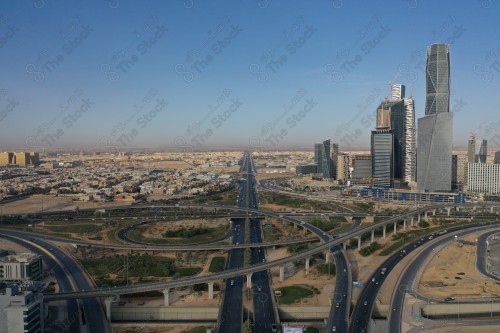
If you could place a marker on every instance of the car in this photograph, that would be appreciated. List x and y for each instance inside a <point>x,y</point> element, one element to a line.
<point>259,288</point>
<point>373,279</point>
<point>334,329</point>
<point>365,303</point>
<point>337,305</point>
<point>141,303</point>
<point>383,271</point>
<point>232,282</point>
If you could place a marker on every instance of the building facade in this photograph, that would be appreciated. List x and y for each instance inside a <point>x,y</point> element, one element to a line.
<point>382,144</point>
<point>21,267</point>
<point>343,168</point>
<point>322,159</point>
<point>477,150</point>
<point>483,178</point>
<point>435,129</point>
<point>20,311</point>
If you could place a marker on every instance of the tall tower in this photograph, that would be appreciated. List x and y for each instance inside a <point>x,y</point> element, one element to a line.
<point>477,151</point>
<point>435,129</point>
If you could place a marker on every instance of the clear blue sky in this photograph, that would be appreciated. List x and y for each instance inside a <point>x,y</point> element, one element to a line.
<point>118,74</point>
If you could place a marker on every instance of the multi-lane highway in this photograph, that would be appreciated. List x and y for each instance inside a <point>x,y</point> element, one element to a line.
<point>70,277</point>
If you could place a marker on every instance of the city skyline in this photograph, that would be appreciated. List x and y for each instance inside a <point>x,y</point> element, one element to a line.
<point>109,76</point>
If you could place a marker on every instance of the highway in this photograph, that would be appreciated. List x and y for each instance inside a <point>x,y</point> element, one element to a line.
<point>264,312</point>
<point>231,317</point>
<point>397,302</point>
<point>70,277</point>
<point>364,307</point>
<point>482,256</point>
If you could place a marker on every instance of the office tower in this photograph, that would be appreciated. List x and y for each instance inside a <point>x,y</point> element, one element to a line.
<point>334,152</point>
<point>435,129</point>
<point>342,167</point>
<point>382,144</point>
<point>322,158</point>
<point>306,169</point>
<point>477,150</point>
<point>482,178</point>
<point>362,168</point>
<point>497,158</point>
<point>6,158</point>
<point>20,311</point>
<point>409,141</point>
<point>397,92</point>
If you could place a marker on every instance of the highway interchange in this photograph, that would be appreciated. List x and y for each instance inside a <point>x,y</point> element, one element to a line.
<point>232,310</point>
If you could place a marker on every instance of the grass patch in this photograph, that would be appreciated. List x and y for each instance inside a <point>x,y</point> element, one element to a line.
<point>312,330</point>
<point>328,268</point>
<point>293,294</point>
<point>294,248</point>
<point>271,234</point>
<point>190,232</point>
<point>289,201</point>
<point>218,264</point>
<point>74,228</point>
<point>366,251</point>
<point>210,235</point>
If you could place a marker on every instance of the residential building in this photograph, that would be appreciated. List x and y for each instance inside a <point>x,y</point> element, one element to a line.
<point>21,267</point>
<point>343,167</point>
<point>477,150</point>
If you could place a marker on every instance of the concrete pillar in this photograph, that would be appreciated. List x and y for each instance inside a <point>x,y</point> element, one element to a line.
<point>418,218</point>
<point>344,245</point>
<point>373,235</point>
<point>457,208</point>
<point>474,208</point>
<point>307,266</point>
<point>282,273</point>
<point>384,230</point>
<point>294,226</point>
<point>412,221</point>
<point>395,227</point>
<point>404,224</point>
<point>327,257</point>
<point>491,209</point>
<point>166,299</point>
<point>210,290</point>
<point>107,302</point>
<point>434,212</point>
<point>359,243</point>
<point>425,214</point>
<point>249,280</point>
<point>448,210</point>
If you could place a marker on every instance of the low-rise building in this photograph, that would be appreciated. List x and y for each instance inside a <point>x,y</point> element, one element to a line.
<point>21,267</point>
<point>20,311</point>
<point>482,178</point>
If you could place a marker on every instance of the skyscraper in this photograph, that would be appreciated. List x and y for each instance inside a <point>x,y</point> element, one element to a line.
<point>477,150</point>
<point>435,129</point>
<point>322,158</point>
<point>409,141</point>
<point>497,158</point>
<point>382,147</point>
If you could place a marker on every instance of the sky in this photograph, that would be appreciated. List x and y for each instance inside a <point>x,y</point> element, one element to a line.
<point>260,74</point>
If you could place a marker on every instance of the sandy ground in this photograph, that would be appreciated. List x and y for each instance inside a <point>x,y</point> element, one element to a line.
<point>463,329</point>
<point>40,202</point>
<point>8,245</point>
<point>452,272</point>
<point>159,328</point>
<point>156,229</point>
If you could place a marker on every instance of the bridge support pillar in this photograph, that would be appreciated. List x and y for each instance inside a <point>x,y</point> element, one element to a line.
<point>448,211</point>
<point>457,209</point>
<point>166,298</point>
<point>282,273</point>
<point>418,219</point>
<point>294,226</point>
<point>359,242</point>
<point>434,212</point>
<point>373,235</point>
<point>425,214</point>
<point>474,208</point>
<point>404,224</point>
<point>327,257</point>
<point>107,303</point>
<point>412,221</point>
<point>210,290</point>
<point>249,280</point>
<point>491,209</point>
<point>344,245</point>
<point>384,229</point>
<point>395,227</point>
<point>307,266</point>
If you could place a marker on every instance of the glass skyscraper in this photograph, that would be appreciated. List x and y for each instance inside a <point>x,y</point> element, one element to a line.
<point>322,159</point>
<point>435,129</point>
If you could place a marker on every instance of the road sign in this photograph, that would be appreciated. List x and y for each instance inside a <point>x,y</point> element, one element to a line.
<point>417,318</point>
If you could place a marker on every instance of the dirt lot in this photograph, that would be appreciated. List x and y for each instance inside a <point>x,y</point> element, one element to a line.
<point>158,228</point>
<point>452,272</point>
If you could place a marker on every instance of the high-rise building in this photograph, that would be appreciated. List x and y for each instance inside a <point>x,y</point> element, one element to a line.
<point>20,311</point>
<point>362,168</point>
<point>397,92</point>
<point>435,129</point>
<point>322,158</point>
<point>497,158</point>
<point>342,167</point>
<point>382,145</point>
<point>409,141</point>
<point>477,150</point>
<point>334,152</point>
<point>482,178</point>
<point>6,158</point>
